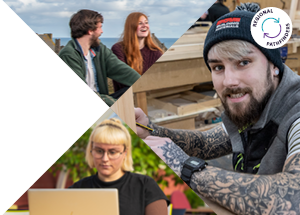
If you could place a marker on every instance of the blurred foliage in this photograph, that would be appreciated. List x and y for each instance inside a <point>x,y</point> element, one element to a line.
<point>74,159</point>
<point>193,198</point>
<point>145,160</point>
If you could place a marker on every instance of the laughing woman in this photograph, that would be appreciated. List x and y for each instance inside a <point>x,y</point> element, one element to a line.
<point>109,151</point>
<point>136,47</point>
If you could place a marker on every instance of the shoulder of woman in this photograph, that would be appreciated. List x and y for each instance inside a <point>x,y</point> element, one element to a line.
<point>117,49</point>
<point>117,45</point>
<point>150,52</point>
<point>144,178</point>
<point>158,53</point>
<point>153,56</point>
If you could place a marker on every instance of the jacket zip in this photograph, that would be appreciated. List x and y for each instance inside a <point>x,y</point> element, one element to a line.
<point>244,144</point>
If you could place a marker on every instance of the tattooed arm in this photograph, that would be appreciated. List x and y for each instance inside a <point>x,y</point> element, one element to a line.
<point>205,145</point>
<point>238,192</point>
<point>252,194</point>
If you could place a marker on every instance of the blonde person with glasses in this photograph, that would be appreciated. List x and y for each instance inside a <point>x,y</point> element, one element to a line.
<point>109,151</point>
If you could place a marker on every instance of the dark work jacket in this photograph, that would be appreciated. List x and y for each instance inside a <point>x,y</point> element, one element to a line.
<point>262,148</point>
<point>216,11</point>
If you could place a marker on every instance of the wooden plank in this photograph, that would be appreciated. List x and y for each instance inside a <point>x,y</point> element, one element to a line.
<point>170,91</point>
<point>293,9</point>
<point>176,117</point>
<point>124,108</point>
<point>184,51</point>
<point>293,46</point>
<point>197,107</point>
<point>197,97</point>
<point>157,115</point>
<point>141,101</point>
<point>199,29</point>
<point>208,127</point>
<point>293,63</point>
<point>190,39</point>
<point>187,123</point>
<point>173,74</point>
<point>297,14</point>
<point>296,24</point>
<point>162,105</point>
<point>197,103</point>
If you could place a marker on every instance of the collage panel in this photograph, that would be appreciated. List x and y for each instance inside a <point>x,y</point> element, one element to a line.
<point>182,99</point>
<point>223,111</point>
<point>39,15</point>
<point>40,117</point>
<point>108,170</point>
<point>110,64</point>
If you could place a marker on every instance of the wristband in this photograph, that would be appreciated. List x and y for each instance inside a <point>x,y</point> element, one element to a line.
<point>190,166</point>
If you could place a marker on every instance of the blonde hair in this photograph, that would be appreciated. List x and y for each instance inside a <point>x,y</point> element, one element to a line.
<point>111,131</point>
<point>232,49</point>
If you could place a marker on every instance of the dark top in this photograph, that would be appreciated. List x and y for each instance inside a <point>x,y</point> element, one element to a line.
<point>216,11</point>
<point>135,191</point>
<point>149,58</point>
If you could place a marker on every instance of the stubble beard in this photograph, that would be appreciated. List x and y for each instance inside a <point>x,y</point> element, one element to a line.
<point>95,42</point>
<point>242,114</point>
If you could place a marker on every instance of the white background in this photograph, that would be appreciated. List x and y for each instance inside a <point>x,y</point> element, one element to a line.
<point>45,107</point>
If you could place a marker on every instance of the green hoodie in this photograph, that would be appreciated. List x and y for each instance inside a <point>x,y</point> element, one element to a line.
<point>106,64</point>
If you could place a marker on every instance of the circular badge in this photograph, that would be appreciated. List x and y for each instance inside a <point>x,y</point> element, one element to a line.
<point>271,27</point>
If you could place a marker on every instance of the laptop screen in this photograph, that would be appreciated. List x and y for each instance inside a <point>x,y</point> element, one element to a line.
<point>73,201</point>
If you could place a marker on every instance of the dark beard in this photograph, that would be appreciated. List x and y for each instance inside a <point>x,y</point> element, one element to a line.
<point>254,109</point>
<point>95,42</point>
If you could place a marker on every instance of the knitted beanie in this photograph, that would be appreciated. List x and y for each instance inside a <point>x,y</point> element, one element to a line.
<point>236,26</point>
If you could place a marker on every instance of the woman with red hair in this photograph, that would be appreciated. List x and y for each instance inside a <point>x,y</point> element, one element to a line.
<point>136,47</point>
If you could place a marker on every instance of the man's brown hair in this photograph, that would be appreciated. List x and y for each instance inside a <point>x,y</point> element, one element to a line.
<point>84,21</point>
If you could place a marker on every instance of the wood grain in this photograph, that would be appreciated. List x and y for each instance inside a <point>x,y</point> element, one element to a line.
<point>124,108</point>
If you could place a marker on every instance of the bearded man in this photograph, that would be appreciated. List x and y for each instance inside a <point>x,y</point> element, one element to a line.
<point>261,126</point>
<point>92,61</point>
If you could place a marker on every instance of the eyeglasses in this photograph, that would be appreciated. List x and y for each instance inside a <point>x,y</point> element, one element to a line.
<point>112,154</point>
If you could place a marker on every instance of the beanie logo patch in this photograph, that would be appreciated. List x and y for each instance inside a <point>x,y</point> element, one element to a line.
<point>228,23</point>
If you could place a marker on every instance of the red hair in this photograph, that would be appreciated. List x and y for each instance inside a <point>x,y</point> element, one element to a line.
<point>130,42</point>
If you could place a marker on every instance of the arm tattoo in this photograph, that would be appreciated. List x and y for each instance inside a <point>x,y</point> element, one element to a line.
<point>205,145</point>
<point>174,157</point>
<point>252,194</point>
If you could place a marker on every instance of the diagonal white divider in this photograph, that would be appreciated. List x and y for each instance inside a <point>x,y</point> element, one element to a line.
<point>45,107</point>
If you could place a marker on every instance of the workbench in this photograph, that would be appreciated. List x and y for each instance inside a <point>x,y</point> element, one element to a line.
<point>181,68</point>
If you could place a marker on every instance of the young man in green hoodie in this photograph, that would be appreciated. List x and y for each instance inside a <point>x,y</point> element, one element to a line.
<point>92,61</point>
